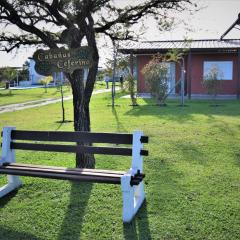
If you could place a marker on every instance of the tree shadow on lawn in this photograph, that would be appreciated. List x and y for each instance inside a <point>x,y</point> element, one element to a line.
<point>9,94</point>
<point>237,159</point>
<point>174,112</point>
<point>7,234</point>
<point>191,152</point>
<point>72,223</point>
<point>4,201</point>
<point>120,126</point>
<point>167,203</point>
<point>139,227</point>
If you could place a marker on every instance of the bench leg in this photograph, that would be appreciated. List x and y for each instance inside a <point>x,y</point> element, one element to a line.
<point>14,182</point>
<point>8,156</point>
<point>133,198</point>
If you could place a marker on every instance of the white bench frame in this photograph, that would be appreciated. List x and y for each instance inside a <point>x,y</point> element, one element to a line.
<point>133,196</point>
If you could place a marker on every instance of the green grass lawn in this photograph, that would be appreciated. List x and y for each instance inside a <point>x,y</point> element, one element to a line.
<point>192,179</point>
<point>25,95</point>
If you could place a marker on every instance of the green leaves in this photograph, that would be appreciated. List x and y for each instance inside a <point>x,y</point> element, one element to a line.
<point>155,75</point>
<point>9,73</point>
<point>211,81</point>
<point>131,88</point>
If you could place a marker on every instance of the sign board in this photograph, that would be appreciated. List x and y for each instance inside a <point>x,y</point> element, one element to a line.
<point>62,60</point>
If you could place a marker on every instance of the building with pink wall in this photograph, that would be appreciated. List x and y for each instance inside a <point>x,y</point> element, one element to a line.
<point>200,57</point>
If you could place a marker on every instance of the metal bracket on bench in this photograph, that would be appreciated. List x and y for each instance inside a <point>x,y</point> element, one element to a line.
<point>137,178</point>
<point>5,163</point>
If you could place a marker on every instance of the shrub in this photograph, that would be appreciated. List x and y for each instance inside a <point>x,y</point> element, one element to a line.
<point>212,82</point>
<point>45,81</point>
<point>155,75</point>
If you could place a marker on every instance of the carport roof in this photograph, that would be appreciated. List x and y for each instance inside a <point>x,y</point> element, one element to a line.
<point>216,45</point>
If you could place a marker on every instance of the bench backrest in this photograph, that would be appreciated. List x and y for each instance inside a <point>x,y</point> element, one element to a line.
<point>75,137</point>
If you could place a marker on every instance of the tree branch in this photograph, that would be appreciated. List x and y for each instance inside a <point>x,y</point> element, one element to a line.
<point>13,16</point>
<point>132,15</point>
<point>10,42</point>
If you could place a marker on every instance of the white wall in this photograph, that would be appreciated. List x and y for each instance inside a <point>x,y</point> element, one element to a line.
<point>34,77</point>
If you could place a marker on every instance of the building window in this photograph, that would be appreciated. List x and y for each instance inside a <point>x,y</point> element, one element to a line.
<point>223,70</point>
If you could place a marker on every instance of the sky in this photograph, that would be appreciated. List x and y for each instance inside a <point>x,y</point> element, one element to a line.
<point>210,22</point>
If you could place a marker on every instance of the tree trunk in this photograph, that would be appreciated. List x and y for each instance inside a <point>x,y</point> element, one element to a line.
<point>82,92</point>
<point>81,117</point>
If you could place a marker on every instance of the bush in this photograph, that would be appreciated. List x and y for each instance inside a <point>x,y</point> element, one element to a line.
<point>212,82</point>
<point>45,81</point>
<point>155,75</point>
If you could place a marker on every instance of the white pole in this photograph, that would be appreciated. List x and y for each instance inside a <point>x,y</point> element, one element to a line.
<point>17,78</point>
<point>182,82</point>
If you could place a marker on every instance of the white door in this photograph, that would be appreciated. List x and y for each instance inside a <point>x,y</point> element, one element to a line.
<point>171,76</point>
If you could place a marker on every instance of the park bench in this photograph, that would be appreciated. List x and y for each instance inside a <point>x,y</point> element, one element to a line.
<point>131,181</point>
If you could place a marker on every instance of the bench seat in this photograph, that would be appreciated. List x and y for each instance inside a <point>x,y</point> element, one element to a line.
<point>74,174</point>
<point>93,175</point>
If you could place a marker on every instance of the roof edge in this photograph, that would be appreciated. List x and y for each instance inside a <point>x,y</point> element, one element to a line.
<point>193,40</point>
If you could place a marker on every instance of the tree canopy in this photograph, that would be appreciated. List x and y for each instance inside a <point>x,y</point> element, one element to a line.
<point>72,23</point>
<point>59,21</point>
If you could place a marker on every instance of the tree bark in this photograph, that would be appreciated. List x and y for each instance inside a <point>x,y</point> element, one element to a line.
<point>81,117</point>
<point>82,91</point>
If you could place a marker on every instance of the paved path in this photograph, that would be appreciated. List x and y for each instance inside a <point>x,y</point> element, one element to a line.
<point>39,103</point>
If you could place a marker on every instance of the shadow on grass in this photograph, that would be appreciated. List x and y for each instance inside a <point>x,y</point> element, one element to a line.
<point>139,227</point>
<point>61,123</point>
<point>192,153</point>
<point>237,159</point>
<point>171,112</point>
<point>7,234</point>
<point>72,223</point>
<point>174,112</point>
<point>120,127</point>
<point>4,201</point>
<point>9,94</point>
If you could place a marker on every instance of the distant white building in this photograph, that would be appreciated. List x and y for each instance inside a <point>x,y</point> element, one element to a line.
<point>34,77</point>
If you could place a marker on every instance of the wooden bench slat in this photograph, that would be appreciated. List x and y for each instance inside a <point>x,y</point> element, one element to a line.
<point>66,173</point>
<point>62,175</point>
<point>85,137</point>
<point>72,169</point>
<point>75,149</point>
<point>71,148</point>
<point>65,176</point>
<point>59,170</point>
